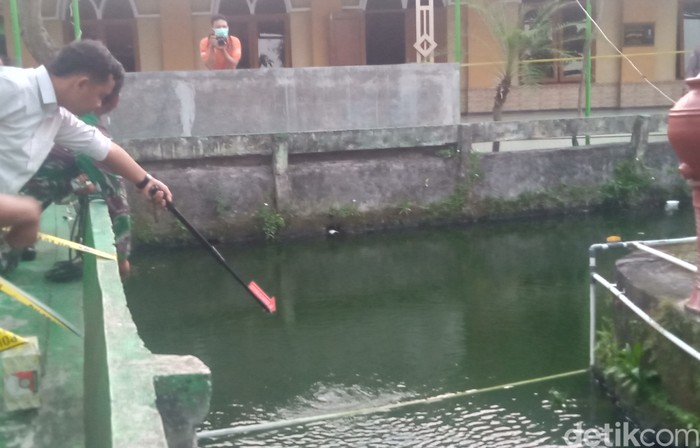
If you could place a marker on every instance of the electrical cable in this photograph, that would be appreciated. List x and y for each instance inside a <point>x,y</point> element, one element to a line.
<point>371,410</point>
<point>643,76</point>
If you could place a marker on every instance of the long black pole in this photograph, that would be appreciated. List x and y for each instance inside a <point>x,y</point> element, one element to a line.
<point>262,302</point>
<point>204,242</point>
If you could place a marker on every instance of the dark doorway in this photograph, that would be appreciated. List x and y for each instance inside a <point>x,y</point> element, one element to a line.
<point>117,30</point>
<point>241,29</point>
<point>386,37</point>
<point>118,35</point>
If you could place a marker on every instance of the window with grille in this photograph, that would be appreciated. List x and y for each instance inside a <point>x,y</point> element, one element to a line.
<point>562,56</point>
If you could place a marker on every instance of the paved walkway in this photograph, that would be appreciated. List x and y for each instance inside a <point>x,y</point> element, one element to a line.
<point>59,421</point>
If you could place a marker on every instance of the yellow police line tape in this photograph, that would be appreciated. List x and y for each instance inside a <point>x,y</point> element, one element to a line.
<point>10,340</point>
<point>35,304</point>
<point>72,245</point>
<point>75,246</point>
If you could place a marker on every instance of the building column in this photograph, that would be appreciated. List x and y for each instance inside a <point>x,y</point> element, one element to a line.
<point>176,35</point>
<point>320,19</point>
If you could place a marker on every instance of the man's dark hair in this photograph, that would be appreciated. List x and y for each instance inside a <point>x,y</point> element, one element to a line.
<point>89,57</point>
<point>216,17</point>
<point>118,76</point>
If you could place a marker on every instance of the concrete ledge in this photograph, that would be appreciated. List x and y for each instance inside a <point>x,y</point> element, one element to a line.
<point>183,390</point>
<point>203,148</point>
<point>123,380</point>
<point>188,148</point>
<point>388,138</point>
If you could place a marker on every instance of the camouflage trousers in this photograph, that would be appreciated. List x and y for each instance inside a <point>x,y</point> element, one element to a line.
<point>64,173</point>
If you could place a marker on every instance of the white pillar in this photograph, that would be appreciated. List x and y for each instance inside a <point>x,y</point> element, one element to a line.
<point>425,31</point>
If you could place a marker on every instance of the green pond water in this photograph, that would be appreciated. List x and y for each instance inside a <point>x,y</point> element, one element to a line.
<point>367,321</point>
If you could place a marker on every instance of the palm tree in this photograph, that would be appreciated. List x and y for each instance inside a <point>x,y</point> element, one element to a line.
<point>519,41</point>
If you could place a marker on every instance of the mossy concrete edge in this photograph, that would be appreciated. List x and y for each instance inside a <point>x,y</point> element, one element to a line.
<point>126,385</point>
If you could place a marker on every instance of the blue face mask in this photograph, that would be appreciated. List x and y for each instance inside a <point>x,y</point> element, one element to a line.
<point>221,32</point>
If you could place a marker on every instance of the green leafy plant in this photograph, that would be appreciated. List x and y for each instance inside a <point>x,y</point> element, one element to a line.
<point>474,171</point>
<point>452,205</point>
<point>448,153</point>
<point>605,345</point>
<point>405,209</point>
<point>684,418</point>
<point>629,373</point>
<point>630,183</point>
<point>271,222</point>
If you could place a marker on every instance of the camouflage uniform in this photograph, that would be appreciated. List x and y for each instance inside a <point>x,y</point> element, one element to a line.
<point>60,175</point>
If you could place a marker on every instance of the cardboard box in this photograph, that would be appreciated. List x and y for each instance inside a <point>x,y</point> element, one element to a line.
<point>20,366</point>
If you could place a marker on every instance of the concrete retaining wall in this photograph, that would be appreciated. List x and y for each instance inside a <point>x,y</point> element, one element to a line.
<point>272,101</point>
<point>381,177</point>
<point>664,393</point>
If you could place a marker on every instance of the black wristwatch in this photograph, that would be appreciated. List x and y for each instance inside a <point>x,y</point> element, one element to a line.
<point>141,185</point>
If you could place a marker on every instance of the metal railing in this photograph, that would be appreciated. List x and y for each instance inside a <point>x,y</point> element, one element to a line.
<point>597,278</point>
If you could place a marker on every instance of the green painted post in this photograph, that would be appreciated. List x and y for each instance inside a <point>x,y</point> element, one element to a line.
<point>77,32</point>
<point>16,35</point>
<point>458,49</point>
<point>458,32</point>
<point>588,63</point>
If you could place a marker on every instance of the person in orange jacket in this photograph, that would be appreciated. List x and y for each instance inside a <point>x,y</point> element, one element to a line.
<point>219,50</point>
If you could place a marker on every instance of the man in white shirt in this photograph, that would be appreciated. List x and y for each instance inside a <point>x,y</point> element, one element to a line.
<point>39,108</point>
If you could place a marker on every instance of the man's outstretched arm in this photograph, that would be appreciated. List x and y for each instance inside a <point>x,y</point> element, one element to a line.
<point>120,162</point>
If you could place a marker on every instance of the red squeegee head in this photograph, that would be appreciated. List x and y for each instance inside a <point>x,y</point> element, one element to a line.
<point>266,301</point>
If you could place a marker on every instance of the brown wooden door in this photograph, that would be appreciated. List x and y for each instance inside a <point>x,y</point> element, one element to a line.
<point>347,39</point>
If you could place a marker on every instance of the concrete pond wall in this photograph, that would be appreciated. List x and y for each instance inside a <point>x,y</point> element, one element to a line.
<point>363,147</point>
<point>231,187</point>
<point>361,179</point>
<point>351,148</point>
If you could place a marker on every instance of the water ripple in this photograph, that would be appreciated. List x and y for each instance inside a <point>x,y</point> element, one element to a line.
<point>444,424</point>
